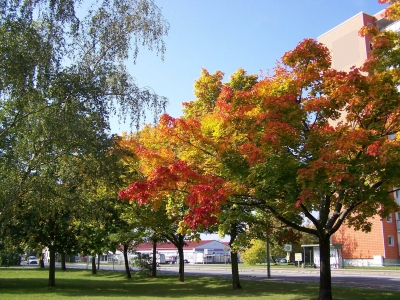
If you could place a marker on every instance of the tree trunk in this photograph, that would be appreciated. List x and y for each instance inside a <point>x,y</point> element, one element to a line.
<point>63,264</point>
<point>52,265</point>
<point>235,271</point>
<point>325,281</point>
<point>127,270</point>
<point>234,260</point>
<point>181,259</point>
<point>98,261</point>
<point>94,270</point>
<point>154,261</point>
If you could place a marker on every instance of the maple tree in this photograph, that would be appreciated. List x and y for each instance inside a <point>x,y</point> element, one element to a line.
<point>178,163</point>
<point>162,189</point>
<point>298,162</point>
<point>275,147</point>
<point>306,143</point>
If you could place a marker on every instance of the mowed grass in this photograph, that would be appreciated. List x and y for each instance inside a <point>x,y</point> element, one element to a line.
<point>81,284</point>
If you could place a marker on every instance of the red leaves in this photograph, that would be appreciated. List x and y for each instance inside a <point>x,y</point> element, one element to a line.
<point>205,201</point>
<point>204,195</point>
<point>166,121</point>
<point>275,131</point>
<point>305,195</point>
<point>308,54</point>
<point>374,149</point>
<point>287,235</point>
<point>283,122</point>
<point>252,153</point>
<point>226,94</point>
<point>137,191</point>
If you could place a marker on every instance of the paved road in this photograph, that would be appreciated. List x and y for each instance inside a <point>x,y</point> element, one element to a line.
<point>370,279</point>
<point>364,278</point>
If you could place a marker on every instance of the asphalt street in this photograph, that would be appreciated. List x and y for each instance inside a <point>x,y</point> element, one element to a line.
<point>362,278</point>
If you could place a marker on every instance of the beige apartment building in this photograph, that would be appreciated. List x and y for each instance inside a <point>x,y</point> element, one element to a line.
<point>381,245</point>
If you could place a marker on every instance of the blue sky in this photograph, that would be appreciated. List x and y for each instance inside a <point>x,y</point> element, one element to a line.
<point>230,34</point>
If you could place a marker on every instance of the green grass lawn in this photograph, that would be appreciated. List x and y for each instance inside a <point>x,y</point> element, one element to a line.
<point>81,284</point>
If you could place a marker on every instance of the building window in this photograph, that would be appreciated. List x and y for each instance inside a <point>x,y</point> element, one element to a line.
<point>391,240</point>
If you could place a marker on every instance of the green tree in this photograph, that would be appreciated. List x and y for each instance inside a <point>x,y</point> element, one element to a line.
<point>61,77</point>
<point>256,254</point>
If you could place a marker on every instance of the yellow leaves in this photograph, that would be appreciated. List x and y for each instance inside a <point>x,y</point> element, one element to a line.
<point>212,127</point>
<point>183,229</point>
<point>392,12</point>
<point>207,89</point>
<point>366,30</point>
<point>240,81</point>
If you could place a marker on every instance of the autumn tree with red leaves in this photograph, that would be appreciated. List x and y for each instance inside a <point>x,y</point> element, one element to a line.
<point>166,184</point>
<point>307,143</point>
<point>300,159</point>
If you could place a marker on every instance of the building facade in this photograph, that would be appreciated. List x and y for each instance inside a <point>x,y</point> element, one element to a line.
<point>381,246</point>
<point>202,252</point>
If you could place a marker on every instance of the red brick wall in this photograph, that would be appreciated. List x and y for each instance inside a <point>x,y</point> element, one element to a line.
<point>358,244</point>
<point>390,229</point>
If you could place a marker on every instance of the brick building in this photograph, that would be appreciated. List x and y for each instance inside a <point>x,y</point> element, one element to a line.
<point>382,245</point>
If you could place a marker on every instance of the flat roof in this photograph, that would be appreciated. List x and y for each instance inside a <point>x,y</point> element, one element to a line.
<point>361,12</point>
<point>336,246</point>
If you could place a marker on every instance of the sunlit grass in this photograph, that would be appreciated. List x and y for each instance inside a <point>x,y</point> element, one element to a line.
<point>81,284</point>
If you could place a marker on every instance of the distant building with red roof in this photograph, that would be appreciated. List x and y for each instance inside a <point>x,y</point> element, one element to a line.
<point>207,251</point>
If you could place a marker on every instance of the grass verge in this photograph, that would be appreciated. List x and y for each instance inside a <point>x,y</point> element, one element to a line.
<point>31,284</point>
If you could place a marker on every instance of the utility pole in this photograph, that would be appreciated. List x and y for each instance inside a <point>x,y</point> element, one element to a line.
<point>268,258</point>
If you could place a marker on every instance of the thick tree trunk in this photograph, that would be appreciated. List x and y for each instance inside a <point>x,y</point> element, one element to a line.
<point>127,270</point>
<point>63,263</point>
<point>94,270</point>
<point>52,265</point>
<point>234,259</point>
<point>181,259</point>
<point>325,281</point>
<point>235,271</point>
<point>154,261</point>
<point>98,261</point>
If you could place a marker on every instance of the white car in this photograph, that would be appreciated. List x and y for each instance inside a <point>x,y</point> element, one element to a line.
<point>32,260</point>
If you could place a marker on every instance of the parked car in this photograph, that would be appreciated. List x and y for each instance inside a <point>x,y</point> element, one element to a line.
<point>283,261</point>
<point>32,260</point>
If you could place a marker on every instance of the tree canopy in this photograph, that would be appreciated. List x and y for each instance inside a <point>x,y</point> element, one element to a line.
<point>305,143</point>
<point>63,73</point>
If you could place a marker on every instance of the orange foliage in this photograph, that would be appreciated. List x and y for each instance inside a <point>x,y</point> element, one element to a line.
<point>231,138</point>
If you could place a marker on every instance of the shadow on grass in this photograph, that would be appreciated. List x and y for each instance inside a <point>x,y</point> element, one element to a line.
<point>108,284</point>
